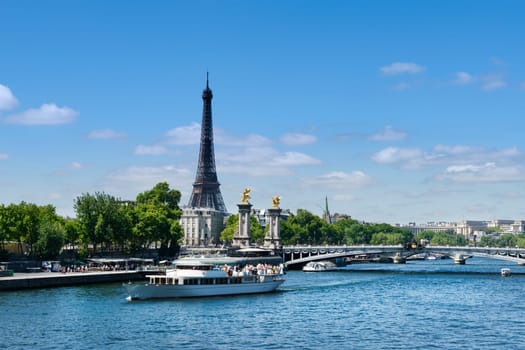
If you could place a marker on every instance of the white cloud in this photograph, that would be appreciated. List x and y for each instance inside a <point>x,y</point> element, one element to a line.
<point>191,134</point>
<point>463,78</point>
<point>468,168</point>
<point>298,139</point>
<point>54,196</point>
<point>457,155</point>
<point>339,179</point>
<point>106,134</point>
<point>486,172</point>
<point>467,155</point>
<point>391,155</point>
<point>295,159</point>
<point>155,150</point>
<point>185,135</point>
<point>397,68</point>
<point>389,134</point>
<point>506,153</point>
<point>248,155</point>
<point>4,156</point>
<point>343,197</point>
<point>148,174</point>
<point>250,140</point>
<point>256,170</point>
<point>493,82</point>
<point>456,150</point>
<point>262,161</point>
<point>128,182</point>
<point>497,61</point>
<point>7,99</point>
<point>47,114</point>
<point>76,165</point>
<point>402,86</point>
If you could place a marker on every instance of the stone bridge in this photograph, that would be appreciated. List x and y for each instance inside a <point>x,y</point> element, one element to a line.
<point>297,256</point>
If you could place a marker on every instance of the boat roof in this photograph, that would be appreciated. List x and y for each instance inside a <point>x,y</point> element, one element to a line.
<point>191,262</point>
<point>252,250</point>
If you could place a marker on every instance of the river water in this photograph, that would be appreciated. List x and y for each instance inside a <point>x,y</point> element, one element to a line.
<point>418,305</point>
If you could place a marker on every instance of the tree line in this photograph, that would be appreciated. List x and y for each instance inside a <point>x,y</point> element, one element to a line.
<point>307,228</point>
<point>105,223</point>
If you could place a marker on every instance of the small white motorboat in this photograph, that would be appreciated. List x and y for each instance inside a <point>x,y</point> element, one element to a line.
<point>505,272</point>
<point>319,266</point>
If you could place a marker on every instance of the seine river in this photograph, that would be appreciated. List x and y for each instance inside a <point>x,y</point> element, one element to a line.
<point>419,305</point>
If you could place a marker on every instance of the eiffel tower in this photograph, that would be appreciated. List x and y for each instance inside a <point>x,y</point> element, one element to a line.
<point>206,192</point>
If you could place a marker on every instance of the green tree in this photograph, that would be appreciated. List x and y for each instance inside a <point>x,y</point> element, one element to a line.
<point>347,229</point>
<point>426,234</point>
<point>232,226</point>
<point>158,214</point>
<point>443,238</point>
<point>311,231</point>
<point>72,229</point>
<point>507,240</point>
<point>4,230</point>
<point>289,231</point>
<point>98,217</point>
<point>227,233</point>
<point>257,231</point>
<point>487,241</point>
<point>51,239</point>
<point>520,240</point>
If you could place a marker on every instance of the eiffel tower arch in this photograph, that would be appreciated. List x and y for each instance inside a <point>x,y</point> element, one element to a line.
<point>203,219</point>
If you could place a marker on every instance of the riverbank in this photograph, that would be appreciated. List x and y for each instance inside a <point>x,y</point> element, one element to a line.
<point>56,279</point>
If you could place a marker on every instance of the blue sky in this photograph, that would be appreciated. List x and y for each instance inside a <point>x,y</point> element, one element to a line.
<point>396,111</point>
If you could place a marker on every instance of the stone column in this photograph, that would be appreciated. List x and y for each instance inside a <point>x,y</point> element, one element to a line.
<point>243,237</point>
<point>273,234</point>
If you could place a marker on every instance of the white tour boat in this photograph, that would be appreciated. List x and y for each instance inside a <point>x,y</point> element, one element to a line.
<point>319,266</point>
<point>197,279</point>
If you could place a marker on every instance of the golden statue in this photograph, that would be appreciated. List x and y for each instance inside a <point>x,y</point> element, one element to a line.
<point>275,201</point>
<point>245,195</point>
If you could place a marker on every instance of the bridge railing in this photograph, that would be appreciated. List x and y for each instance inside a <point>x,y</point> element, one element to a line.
<point>296,254</point>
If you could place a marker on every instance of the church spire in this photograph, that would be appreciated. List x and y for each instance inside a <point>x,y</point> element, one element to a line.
<point>326,215</point>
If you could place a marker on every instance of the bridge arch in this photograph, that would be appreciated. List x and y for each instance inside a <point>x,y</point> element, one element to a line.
<point>297,256</point>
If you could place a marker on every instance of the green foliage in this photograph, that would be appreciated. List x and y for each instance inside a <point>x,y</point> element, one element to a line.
<point>99,219</point>
<point>102,221</point>
<point>232,226</point>
<point>158,214</point>
<point>51,240</point>
<point>72,229</point>
<point>257,231</point>
<point>425,235</point>
<point>21,222</point>
<point>520,240</point>
<point>487,241</point>
<point>306,228</point>
<point>443,238</point>
<point>4,229</point>
<point>507,240</point>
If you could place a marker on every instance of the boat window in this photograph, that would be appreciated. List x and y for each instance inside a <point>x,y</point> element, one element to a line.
<point>195,267</point>
<point>191,281</point>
